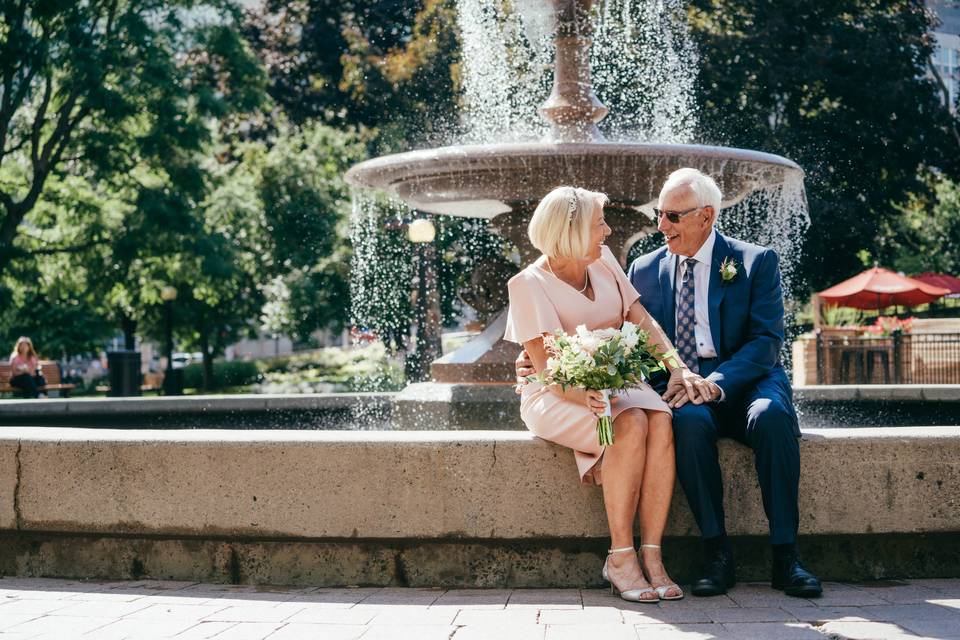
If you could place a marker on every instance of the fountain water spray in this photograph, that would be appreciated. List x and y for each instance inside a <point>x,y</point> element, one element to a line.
<point>645,60</point>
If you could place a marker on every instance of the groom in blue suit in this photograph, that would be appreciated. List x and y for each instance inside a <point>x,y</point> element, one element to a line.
<point>720,302</point>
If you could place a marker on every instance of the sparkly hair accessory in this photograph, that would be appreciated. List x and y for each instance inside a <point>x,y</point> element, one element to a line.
<point>572,204</point>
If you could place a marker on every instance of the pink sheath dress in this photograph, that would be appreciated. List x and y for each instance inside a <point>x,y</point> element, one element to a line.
<point>542,303</point>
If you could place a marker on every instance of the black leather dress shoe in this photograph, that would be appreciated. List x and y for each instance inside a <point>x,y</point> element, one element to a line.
<point>791,577</point>
<point>718,575</point>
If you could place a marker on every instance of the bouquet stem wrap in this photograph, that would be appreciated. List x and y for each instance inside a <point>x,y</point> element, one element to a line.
<point>605,422</point>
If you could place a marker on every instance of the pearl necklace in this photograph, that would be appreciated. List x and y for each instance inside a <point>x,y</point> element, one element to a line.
<point>586,278</point>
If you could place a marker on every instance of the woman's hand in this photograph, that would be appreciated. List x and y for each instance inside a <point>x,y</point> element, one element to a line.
<point>524,368</point>
<point>590,398</point>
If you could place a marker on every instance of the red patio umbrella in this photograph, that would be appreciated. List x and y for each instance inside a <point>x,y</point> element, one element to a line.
<point>942,280</point>
<point>878,288</point>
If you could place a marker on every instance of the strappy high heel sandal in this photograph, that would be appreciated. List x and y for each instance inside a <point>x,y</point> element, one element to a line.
<point>631,595</point>
<point>662,590</point>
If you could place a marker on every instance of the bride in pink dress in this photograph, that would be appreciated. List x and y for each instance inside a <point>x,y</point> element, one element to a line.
<point>578,281</point>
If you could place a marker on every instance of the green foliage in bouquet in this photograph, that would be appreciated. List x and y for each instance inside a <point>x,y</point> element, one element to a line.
<point>603,359</point>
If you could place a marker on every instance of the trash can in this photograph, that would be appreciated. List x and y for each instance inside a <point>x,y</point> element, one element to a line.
<point>173,382</point>
<point>125,376</point>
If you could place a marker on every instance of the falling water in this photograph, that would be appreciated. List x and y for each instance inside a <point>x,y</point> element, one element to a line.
<point>644,66</point>
<point>382,266</point>
<point>643,61</point>
<point>507,70</point>
<point>381,259</point>
<point>774,217</point>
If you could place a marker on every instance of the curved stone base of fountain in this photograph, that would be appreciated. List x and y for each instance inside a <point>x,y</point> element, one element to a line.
<point>483,181</point>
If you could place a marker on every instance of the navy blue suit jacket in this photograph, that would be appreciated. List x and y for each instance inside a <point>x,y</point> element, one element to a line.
<point>746,315</point>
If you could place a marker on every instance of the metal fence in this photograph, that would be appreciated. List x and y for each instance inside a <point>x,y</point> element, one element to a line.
<point>902,358</point>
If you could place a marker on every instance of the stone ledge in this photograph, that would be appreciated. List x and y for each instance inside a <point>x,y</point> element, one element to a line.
<point>879,392</point>
<point>454,485</point>
<point>435,406</point>
<point>188,404</point>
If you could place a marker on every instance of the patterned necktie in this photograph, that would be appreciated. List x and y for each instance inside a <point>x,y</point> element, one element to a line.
<point>686,335</point>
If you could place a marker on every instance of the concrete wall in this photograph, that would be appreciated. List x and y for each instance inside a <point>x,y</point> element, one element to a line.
<point>439,485</point>
<point>342,507</point>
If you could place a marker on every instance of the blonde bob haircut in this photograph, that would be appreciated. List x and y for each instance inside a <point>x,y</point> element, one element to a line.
<point>560,226</point>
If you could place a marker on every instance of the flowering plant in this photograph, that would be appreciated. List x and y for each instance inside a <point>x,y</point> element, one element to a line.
<point>606,360</point>
<point>886,325</point>
<point>729,270</point>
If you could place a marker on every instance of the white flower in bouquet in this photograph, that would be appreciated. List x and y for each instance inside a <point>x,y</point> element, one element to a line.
<point>630,336</point>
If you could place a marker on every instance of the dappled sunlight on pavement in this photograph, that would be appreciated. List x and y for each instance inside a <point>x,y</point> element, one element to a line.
<point>47,608</point>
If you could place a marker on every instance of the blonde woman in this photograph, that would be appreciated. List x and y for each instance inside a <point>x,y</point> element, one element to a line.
<point>577,281</point>
<point>25,368</point>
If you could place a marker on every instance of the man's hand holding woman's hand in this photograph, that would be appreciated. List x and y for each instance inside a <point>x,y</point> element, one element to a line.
<point>686,386</point>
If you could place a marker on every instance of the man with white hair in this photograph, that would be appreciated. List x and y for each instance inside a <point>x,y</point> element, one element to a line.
<point>720,301</point>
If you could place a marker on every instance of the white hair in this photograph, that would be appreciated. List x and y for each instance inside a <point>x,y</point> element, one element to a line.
<point>560,226</point>
<point>704,188</point>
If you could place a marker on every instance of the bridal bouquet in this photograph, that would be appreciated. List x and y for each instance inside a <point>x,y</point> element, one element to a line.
<point>606,360</point>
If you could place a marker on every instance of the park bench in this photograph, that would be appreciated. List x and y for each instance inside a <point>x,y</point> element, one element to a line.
<point>151,382</point>
<point>50,371</point>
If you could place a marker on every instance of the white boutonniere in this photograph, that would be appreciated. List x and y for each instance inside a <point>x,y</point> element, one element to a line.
<point>729,270</point>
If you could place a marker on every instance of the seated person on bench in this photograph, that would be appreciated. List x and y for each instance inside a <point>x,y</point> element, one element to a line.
<point>25,367</point>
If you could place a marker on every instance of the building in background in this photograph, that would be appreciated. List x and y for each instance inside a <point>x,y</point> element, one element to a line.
<point>946,59</point>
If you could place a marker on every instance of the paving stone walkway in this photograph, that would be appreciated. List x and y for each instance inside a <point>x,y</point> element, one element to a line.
<point>54,609</point>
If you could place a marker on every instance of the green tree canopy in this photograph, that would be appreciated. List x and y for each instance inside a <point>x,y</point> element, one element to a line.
<point>926,237</point>
<point>387,65</point>
<point>306,206</point>
<point>97,88</point>
<point>840,88</point>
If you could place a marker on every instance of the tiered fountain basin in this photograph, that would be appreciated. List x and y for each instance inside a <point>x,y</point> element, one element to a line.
<point>503,182</point>
<point>448,508</point>
<point>483,181</point>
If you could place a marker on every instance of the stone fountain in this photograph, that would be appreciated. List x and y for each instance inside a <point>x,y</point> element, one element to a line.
<point>503,182</point>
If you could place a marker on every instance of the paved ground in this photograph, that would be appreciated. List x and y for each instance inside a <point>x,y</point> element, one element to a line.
<point>64,609</point>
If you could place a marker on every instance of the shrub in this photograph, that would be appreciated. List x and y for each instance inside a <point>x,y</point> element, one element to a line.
<point>333,370</point>
<point>236,373</point>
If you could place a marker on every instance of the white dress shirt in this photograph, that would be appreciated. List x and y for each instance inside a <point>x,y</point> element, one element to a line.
<point>701,275</point>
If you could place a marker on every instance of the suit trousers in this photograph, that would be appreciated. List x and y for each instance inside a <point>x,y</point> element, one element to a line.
<point>764,420</point>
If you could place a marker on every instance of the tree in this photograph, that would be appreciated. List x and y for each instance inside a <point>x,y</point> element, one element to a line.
<point>47,294</point>
<point>306,209</point>
<point>97,88</point>
<point>58,314</point>
<point>927,235</point>
<point>386,65</point>
<point>839,87</point>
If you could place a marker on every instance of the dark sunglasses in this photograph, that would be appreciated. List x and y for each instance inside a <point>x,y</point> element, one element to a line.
<point>673,216</point>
